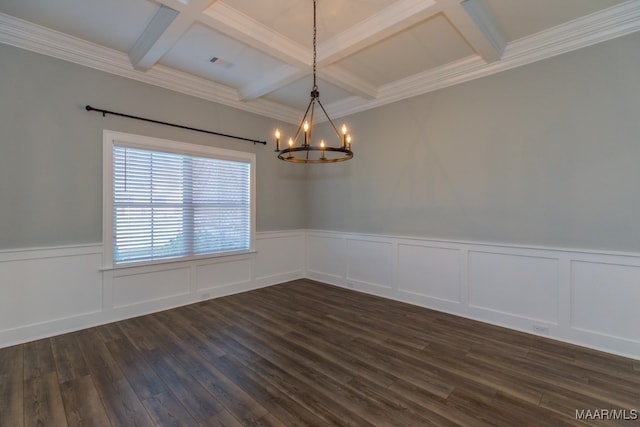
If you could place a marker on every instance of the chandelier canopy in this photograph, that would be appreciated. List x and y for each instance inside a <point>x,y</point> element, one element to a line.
<point>306,151</point>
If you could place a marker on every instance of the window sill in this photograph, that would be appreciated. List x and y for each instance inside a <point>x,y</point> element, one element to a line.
<point>167,261</point>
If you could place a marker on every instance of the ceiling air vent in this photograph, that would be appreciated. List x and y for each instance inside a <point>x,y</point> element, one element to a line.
<point>221,62</point>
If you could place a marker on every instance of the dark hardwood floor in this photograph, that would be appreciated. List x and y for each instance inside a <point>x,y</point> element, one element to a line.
<point>304,353</point>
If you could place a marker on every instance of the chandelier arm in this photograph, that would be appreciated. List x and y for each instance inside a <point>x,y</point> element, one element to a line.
<point>313,111</point>
<point>329,119</point>
<point>302,121</point>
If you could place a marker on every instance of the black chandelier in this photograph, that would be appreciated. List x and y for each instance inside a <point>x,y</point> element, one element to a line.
<point>307,152</point>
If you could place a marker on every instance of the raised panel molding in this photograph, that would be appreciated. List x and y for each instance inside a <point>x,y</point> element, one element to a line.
<point>326,257</point>
<point>588,298</point>
<point>42,285</point>
<point>49,291</point>
<point>514,285</point>
<point>429,272</point>
<point>278,254</point>
<point>582,297</point>
<point>369,263</point>
<point>224,273</point>
<point>144,287</point>
<point>605,299</point>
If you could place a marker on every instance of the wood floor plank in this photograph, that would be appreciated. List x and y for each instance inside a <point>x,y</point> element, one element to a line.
<point>375,411</point>
<point>278,403</point>
<point>320,404</point>
<point>278,373</point>
<point>189,329</point>
<point>223,419</point>
<point>12,386</point>
<point>143,379</point>
<point>196,399</point>
<point>234,398</point>
<point>70,363</point>
<point>123,406</point>
<point>38,359</point>
<point>82,403</point>
<point>42,401</point>
<point>308,354</point>
<point>165,410</point>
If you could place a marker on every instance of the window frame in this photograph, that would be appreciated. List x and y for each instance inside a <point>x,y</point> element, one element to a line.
<point>121,139</point>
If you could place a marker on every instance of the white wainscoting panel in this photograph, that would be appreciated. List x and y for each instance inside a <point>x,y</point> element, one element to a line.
<point>515,285</point>
<point>45,292</point>
<point>369,263</point>
<point>131,287</point>
<point>45,285</point>
<point>280,257</point>
<point>606,299</point>
<point>223,273</point>
<point>429,272</point>
<point>326,257</point>
<point>586,298</point>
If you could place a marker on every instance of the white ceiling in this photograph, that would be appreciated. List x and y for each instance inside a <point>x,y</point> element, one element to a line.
<point>370,52</point>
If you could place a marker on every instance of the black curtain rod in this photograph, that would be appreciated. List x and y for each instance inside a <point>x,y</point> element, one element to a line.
<point>104,112</point>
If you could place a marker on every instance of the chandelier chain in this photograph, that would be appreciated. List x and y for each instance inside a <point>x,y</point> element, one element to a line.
<point>315,55</point>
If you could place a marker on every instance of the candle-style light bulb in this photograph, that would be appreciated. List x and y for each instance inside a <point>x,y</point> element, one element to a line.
<point>305,126</point>
<point>348,140</point>
<point>344,136</point>
<point>322,150</point>
<point>277,139</point>
<point>290,146</point>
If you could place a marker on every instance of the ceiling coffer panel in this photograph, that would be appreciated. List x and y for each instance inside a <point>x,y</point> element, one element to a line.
<point>370,52</point>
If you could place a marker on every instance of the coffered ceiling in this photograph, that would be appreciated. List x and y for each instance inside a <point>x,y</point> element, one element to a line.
<point>370,52</point>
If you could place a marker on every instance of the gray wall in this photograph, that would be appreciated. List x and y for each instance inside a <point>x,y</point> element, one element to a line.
<point>51,148</point>
<point>546,154</point>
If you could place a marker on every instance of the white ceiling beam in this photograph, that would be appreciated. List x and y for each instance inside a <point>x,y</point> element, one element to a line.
<point>399,16</point>
<point>247,30</point>
<point>475,22</point>
<point>272,81</point>
<point>345,79</point>
<point>162,33</point>
<point>178,5</point>
<point>616,21</point>
<point>142,54</point>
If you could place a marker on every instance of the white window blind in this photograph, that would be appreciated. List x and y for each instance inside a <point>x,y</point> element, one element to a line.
<point>170,205</point>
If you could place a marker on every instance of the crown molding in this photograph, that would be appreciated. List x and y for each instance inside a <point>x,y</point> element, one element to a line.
<point>42,40</point>
<point>617,21</point>
<point>598,27</point>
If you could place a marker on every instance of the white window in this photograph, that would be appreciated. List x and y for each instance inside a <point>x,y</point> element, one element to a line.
<point>167,200</point>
